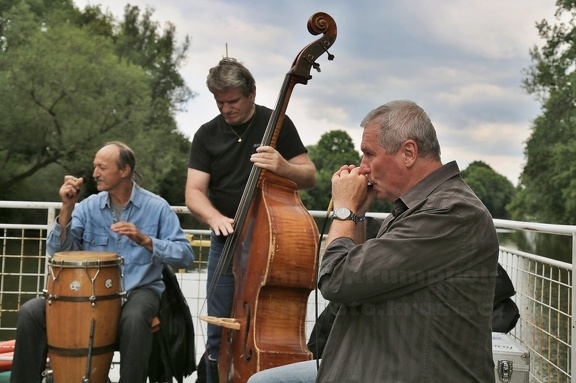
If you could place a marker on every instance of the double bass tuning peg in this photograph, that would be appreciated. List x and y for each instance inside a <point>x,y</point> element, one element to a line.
<point>330,55</point>
<point>313,63</point>
<point>316,66</point>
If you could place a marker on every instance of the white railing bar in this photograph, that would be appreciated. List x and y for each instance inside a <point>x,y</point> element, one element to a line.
<point>29,204</point>
<point>21,226</point>
<point>573,332</point>
<point>538,258</point>
<point>547,228</point>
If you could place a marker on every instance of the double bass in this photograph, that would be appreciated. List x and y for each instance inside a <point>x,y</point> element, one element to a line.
<point>273,250</point>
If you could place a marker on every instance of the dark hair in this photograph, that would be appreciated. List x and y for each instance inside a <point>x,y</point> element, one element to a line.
<point>228,74</point>
<point>126,157</point>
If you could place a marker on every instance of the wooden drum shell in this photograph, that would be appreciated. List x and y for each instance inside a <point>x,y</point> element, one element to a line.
<point>83,303</point>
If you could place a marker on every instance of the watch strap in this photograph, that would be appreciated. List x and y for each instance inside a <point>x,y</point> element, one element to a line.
<point>352,217</point>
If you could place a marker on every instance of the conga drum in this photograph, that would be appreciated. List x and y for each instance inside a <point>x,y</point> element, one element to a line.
<point>83,302</point>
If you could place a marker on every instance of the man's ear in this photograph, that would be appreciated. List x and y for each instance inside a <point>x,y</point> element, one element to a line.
<point>410,150</point>
<point>126,171</point>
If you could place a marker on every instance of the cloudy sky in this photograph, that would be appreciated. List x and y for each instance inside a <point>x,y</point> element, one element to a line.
<point>462,60</point>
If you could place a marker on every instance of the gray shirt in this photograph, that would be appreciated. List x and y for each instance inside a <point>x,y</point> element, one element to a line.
<point>417,299</point>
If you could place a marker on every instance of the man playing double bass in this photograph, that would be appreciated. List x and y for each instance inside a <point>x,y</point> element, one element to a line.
<point>222,154</point>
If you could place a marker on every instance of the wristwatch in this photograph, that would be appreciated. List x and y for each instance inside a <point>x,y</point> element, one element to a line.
<point>344,214</point>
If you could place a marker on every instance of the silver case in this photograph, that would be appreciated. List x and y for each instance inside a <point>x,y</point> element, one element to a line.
<point>511,359</point>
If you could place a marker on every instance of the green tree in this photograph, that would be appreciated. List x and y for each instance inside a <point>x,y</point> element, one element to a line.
<point>548,181</point>
<point>140,43</point>
<point>69,83</point>
<point>493,189</point>
<point>64,91</point>
<point>334,149</point>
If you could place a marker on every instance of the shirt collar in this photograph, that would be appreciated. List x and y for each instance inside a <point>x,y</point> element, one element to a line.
<point>398,207</point>
<point>135,197</point>
<point>425,187</point>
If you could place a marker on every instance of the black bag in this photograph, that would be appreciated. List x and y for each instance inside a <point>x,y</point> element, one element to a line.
<point>321,329</point>
<point>175,352</point>
<point>505,313</point>
<point>504,287</point>
<point>505,316</point>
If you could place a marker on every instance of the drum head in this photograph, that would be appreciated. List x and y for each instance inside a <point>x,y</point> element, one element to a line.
<point>84,258</point>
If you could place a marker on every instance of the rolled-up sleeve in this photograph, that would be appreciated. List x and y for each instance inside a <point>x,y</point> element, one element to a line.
<point>171,245</point>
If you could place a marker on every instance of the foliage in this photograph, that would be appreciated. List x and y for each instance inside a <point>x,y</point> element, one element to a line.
<point>139,42</point>
<point>547,186</point>
<point>493,189</point>
<point>334,149</point>
<point>72,80</point>
<point>59,108</point>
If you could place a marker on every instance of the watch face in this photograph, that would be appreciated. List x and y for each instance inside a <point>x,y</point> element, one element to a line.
<point>343,213</point>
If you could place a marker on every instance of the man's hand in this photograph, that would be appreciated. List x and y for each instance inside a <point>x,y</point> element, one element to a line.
<point>266,157</point>
<point>350,189</point>
<point>70,190</point>
<point>131,231</point>
<point>221,225</point>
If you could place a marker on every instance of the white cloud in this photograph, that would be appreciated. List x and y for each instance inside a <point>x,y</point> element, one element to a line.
<point>493,29</point>
<point>462,60</point>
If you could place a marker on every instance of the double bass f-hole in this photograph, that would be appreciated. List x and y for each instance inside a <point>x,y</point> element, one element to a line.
<point>247,355</point>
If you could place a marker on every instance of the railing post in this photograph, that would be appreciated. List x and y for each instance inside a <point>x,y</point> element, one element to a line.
<point>573,317</point>
<point>49,223</point>
<point>51,217</point>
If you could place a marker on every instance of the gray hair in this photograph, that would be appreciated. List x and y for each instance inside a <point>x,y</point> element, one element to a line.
<point>401,120</point>
<point>228,74</point>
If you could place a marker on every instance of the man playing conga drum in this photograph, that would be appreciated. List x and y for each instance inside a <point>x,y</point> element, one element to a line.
<point>125,219</point>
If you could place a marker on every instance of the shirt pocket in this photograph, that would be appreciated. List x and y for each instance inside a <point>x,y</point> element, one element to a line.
<point>138,254</point>
<point>93,241</point>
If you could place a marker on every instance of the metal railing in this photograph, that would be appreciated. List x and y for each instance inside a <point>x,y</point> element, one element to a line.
<point>545,300</point>
<point>543,286</point>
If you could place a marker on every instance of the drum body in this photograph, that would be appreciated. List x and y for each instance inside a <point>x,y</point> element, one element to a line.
<point>83,302</point>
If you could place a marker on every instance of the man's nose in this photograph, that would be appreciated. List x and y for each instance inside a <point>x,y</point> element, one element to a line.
<point>364,167</point>
<point>226,108</point>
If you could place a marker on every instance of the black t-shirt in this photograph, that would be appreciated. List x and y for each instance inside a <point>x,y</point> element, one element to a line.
<point>215,150</point>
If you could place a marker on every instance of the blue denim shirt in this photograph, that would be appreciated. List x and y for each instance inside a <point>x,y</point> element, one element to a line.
<point>89,230</point>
